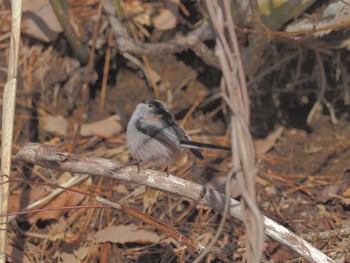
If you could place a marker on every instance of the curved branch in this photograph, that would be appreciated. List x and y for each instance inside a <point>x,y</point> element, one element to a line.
<point>49,156</point>
<point>192,40</point>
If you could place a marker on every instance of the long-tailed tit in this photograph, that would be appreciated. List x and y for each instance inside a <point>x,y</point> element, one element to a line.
<point>155,138</point>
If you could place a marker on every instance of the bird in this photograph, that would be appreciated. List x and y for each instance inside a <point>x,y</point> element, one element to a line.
<point>154,137</point>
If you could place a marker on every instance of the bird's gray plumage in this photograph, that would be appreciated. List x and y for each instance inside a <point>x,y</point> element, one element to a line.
<point>153,135</point>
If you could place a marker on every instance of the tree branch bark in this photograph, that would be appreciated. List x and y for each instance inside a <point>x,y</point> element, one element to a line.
<point>50,157</point>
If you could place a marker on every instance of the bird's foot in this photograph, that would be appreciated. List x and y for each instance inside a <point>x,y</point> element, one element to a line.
<point>138,164</point>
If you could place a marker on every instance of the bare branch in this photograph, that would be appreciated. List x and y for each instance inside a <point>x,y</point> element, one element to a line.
<point>326,235</point>
<point>49,156</point>
<point>192,40</point>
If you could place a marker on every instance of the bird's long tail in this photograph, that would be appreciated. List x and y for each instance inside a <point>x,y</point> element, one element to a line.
<point>200,145</point>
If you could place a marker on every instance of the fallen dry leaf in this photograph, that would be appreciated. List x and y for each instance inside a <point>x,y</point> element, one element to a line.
<point>104,128</point>
<point>329,192</point>
<point>64,199</point>
<point>24,197</point>
<point>345,201</point>
<point>39,20</point>
<point>347,192</point>
<point>124,234</point>
<point>13,254</point>
<point>264,145</point>
<point>57,125</point>
<point>81,252</point>
<point>67,258</point>
<point>150,198</point>
<point>120,189</point>
<point>167,19</point>
<point>139,11</point>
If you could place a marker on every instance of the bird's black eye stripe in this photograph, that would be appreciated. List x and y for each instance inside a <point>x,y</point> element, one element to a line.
<point>149,103</point>
<point>154,104</point>
<point>157,106</point>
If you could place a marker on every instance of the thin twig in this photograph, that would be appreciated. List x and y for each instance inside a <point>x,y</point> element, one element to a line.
<point>223,219</point>
<point>323,87</point>
<point>331,110</point>
<point>105,71</point>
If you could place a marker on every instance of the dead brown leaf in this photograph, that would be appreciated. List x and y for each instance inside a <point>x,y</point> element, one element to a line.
<point>40,21</point>
<point>66,257</point>
<point>347,192</point>
<point>329,192</point>
<point>264,145</point>
<point>150,198</point>
<point>124,234</point>
<point>22,198</point>
<point>16,255</point>
<point>167,19</point>
<point>57,125</point>
<point>105,128</point>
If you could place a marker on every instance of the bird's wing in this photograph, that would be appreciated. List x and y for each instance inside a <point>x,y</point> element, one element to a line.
<point>181,134</point>
<point>155,129</point>
<point>166,131</point>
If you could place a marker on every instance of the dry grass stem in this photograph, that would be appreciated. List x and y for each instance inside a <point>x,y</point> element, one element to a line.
<point>9,102</point>
<point>236,95</point>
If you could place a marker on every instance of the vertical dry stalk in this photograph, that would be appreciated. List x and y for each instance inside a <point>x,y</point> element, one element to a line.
<point>88,73</point>
<point>234,92</point>
<point>74,41</point>
<point>8,113</point>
